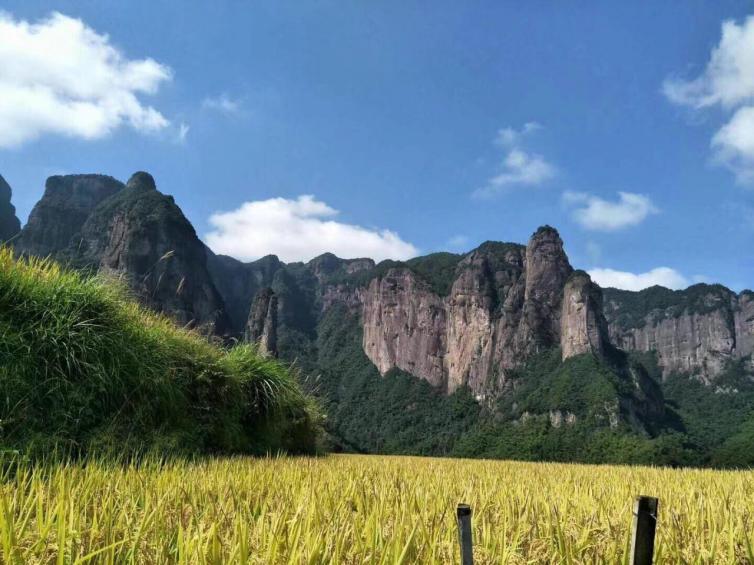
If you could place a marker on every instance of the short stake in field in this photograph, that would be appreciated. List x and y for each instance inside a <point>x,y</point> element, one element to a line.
<point>645,524</point>
<point>463,514</point>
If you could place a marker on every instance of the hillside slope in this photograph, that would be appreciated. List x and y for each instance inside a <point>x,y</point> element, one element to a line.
<point>83,367</point>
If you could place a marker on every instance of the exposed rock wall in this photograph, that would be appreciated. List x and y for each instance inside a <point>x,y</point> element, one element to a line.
<point>504,305</point>
<point>583,328</point>
<point>139,234</point>
<point>547,269</point>
<point>699,335</point>
<point>239,282</point>
<point>55,222</point>
<point>262,326</point>
<point>404,326</point>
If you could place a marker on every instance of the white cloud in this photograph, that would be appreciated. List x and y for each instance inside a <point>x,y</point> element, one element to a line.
<point>728,79</point>
<point>728,82</point>
<point>58,76</point>
<point>663,276</point>
<point>222,103</point>
<point>734,144</point>
<point>508,137</point>
<point>183,130</point>
<point>595,213</point>
<point>298,230</point>
<point>519,166</point>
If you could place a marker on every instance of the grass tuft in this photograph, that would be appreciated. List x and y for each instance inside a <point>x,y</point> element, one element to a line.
<point>83,366</point>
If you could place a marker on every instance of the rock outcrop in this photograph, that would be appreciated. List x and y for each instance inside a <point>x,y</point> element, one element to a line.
<point>698,330</point>
<point>262,326</point>
<point>55,223</point>
<point>504,306</point>
<point>132,232</point>
<point>547,269</point>
<point>405,326</point>
<point>583,328</point>
<point>141,235</point>
<point>239,282</point>
<point>9,224</point>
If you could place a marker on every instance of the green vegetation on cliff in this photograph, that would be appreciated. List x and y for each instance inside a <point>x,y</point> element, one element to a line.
<point>401,414</point>
<point>367,412</point>
<point>84,368</point>
<point>629,309</point>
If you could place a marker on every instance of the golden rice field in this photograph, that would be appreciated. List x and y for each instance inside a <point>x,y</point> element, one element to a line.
<point>365,509</point>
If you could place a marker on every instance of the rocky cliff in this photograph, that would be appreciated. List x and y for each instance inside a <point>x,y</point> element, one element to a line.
<point>504,305</point>
<point>239,282</point>
<point>583,328</point>
<point>56,220</point>
<point>9,224</point>
<point>132,232</point>
<point>141,235</point>
<point>262,327</point>
<point>697,331</point>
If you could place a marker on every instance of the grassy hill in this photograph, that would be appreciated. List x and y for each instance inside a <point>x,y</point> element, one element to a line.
<point>85,368</point>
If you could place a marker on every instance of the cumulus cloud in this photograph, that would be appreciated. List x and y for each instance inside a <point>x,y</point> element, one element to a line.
<point>222,103</point>
<point>734,144</point>
<point>728,82</point>
<point>58,76</point>
<point>595,213</point>
<point>298,230</point>
<point>519,166</point>
<point>728,78</point>
<point>662,276</point>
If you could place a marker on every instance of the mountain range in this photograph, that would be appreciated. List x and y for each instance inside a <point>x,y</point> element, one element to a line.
<point>504,351</point>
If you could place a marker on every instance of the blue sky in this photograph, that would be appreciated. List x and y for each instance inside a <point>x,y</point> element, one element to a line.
<point>412,127</point>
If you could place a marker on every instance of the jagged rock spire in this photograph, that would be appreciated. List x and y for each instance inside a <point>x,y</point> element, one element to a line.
<point>583,328</point>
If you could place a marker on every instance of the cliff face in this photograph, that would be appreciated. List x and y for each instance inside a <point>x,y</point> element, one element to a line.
<point>132,232</point>
<point>504,305</point>
<point>141,235</point>
<point>9,224</point>
<point>583,328</point>
<point>56,220</point>
<point>262,326</point>
<point>239,282</point>
<point>698,330</point>
<point>405,326</point>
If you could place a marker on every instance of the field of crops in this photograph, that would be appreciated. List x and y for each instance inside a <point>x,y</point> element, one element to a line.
<point>365,509</point>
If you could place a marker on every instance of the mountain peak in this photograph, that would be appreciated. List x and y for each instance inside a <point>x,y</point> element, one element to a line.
<point>141,180</point>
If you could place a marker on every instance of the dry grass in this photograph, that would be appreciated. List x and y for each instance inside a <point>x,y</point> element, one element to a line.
<point>365,509</point>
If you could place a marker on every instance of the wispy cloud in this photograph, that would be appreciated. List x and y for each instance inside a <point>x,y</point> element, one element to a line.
<point>597,214</point>
<point>509,137</point>
<point>59,76</point>
<point>519,166</point>
<point>662,276</point>
<point>223,103</point>
<point>298,230</point>
<point>728,82</point>
<point>182,133</point>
